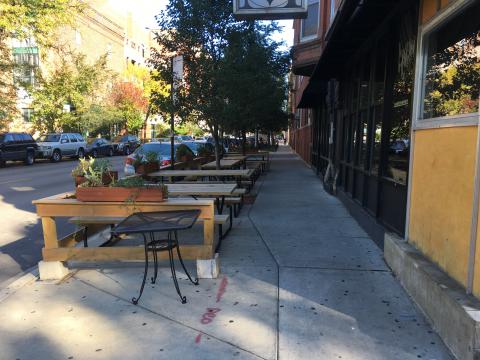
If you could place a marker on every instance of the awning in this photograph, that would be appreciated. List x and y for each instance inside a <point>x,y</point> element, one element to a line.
<point>312,94</point>
<point>355,22</point>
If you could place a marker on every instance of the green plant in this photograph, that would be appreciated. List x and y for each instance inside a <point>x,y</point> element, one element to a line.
<point>93,170</point>
<point>137,160</point>
<point>82,167</point>
<point>102,165</point>
<point>183,150</point>
<point>130,182</point>
<point>151,157</point>
<point>86,166</point>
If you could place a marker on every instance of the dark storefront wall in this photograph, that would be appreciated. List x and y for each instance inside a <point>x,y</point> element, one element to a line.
<point>371,108</point>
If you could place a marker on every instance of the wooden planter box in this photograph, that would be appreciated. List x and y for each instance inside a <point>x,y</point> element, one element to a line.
<point>106,178</point>
<point>147,168</point>
<point>121,194</point>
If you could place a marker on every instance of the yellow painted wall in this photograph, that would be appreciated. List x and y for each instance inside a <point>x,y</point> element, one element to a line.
<point>442,196</point>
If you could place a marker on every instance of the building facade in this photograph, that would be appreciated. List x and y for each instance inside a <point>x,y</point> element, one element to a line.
<point>99,30</point>
<point>393,107</point>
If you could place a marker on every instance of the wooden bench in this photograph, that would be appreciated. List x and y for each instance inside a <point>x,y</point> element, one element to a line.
<point>87,221</point>
<point>248,184</point>
<point>258,164</point>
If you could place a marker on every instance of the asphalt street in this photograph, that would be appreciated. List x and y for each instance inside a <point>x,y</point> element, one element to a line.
<point>21,238</point>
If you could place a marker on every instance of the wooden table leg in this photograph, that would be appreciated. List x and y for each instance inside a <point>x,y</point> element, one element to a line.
<point>51,270</point>
<point>49,232</point>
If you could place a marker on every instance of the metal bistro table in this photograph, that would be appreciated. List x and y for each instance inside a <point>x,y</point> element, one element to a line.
<point>219,191</point>
<point>159,222</point>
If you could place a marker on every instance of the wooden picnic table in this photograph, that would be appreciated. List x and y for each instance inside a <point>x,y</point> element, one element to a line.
<point>265,155</point>
<point>201,189</point>
<point>219,191</point>
<point>53,207</point>
<point>239,173</point>
<point>225,164</point>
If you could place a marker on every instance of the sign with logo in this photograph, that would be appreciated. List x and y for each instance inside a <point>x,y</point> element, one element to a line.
<point>270,9</point>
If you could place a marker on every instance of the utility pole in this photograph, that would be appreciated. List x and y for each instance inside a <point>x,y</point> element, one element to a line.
<point>172,121</point>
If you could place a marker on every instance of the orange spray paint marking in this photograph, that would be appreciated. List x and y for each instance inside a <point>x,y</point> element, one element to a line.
<point>222,289</point>
<point>210,314</point>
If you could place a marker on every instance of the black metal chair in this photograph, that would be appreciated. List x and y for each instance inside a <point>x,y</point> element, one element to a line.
<point>150,223</point>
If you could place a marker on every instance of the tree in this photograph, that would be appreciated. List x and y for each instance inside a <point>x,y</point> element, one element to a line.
<point>147,80</point>
<point>253,73</point>
<point>63,96</point>
<point>198,30</point>
<point>131,103</point>
<point>27,20</point>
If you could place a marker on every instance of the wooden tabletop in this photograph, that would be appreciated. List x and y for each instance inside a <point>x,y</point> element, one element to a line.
<point>67,199</point>
<point>246,173</point>
<point>224,164</point>
<point>201,189</point>
<point>235,157</point>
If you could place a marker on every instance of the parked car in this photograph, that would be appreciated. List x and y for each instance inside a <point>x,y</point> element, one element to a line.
<point>125,144</point>
<point>195,145</point>
<point>99,147</point>
<point>181,138</point>
<point>399,147</point>
<point>162,150</point>
<point>17,147</point>
<point>56,146</point>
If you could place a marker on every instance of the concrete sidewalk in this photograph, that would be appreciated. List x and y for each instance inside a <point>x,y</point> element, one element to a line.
<point>299,280</point>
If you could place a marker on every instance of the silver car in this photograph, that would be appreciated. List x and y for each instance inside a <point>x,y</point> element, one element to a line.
<point>56,146</point>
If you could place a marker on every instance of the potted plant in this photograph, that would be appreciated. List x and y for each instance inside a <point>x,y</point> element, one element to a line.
<point>183,153</point>
<point>93,168</point>
<point>130,189</point>
<point>145,164</point>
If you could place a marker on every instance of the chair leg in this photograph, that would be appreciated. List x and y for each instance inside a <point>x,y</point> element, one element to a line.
<point>194,282</point>
<point>155,260</point>
<point>85,237</point>
<point>135,300</point>
<point>172,269</point>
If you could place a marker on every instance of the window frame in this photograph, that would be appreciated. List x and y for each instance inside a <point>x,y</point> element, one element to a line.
<point>418,122</point>
<point>313,36</point>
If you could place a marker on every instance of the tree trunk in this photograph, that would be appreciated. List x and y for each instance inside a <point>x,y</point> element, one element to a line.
<point>147,115</point>
<point>216,140</point>
<point>244,142</point>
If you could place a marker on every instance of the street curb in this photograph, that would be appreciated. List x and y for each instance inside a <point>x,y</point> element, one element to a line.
<point>24,278</point>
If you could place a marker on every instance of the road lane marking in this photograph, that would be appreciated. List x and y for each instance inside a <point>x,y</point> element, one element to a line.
<point>15,180</point>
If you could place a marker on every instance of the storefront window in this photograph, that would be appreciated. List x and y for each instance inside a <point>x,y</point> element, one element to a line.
<point>452,75</point>
<point>399,134</point>
<point>378,100</point>
<point>363,113</point>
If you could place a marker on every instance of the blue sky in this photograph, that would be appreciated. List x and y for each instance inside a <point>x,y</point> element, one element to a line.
<point>145,10</point>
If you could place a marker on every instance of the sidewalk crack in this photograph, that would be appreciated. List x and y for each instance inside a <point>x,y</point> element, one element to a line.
<point>278,271</point>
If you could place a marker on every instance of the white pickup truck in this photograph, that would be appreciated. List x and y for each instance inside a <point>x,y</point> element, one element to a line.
<point>55,146</point>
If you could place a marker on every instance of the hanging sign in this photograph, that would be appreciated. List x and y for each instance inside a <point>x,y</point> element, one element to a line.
<point>177,73</point>
<point>270,9</point>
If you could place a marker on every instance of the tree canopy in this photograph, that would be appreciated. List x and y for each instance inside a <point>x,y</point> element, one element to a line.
<point>218,89</point>
<point>33,22</point>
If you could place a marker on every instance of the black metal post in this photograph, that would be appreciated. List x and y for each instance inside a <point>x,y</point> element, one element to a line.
<point>172,122</point>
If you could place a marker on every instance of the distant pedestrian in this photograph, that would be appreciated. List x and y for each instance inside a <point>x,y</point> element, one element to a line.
<point>284,141</point>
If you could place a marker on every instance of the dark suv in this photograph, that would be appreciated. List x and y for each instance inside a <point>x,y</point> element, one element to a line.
<point>17,147</point>
<point>125,144</point>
